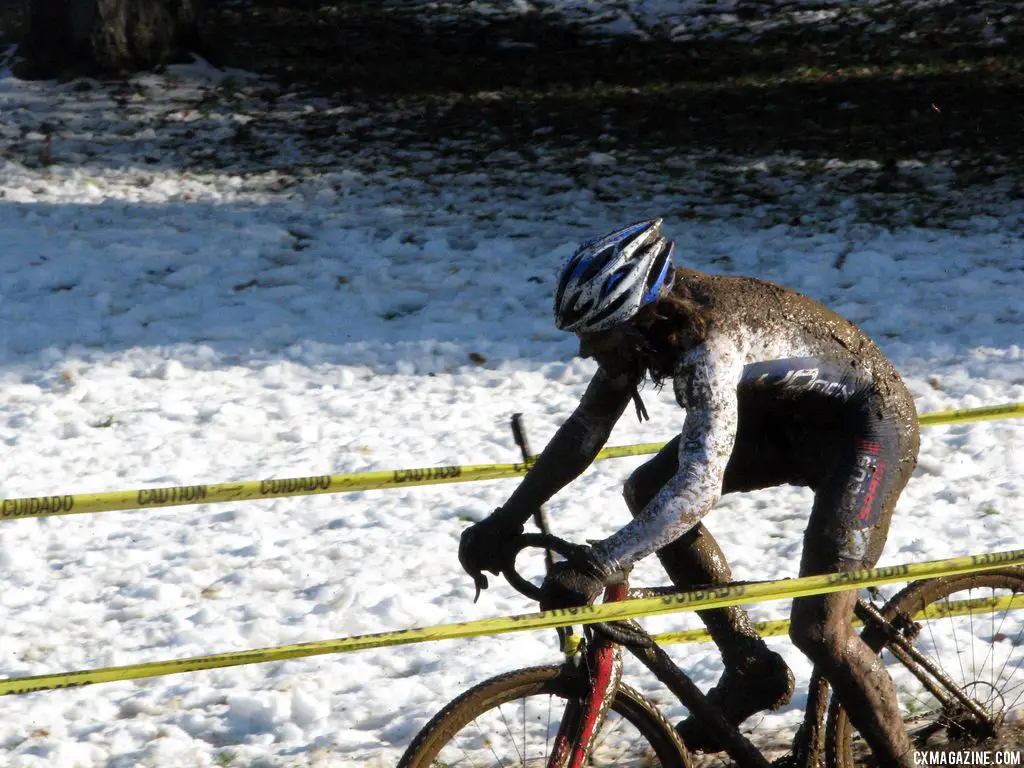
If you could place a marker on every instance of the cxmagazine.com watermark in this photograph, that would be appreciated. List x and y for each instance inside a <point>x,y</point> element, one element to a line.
<point>999,757</point>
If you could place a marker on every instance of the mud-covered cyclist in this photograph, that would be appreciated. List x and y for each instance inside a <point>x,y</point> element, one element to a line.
<point>777,390</point>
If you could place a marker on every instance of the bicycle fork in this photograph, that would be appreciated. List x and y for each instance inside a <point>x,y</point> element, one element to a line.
<point>584,716</point>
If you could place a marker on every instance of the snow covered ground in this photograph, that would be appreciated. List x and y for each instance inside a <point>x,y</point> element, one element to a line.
<point>177,308</point>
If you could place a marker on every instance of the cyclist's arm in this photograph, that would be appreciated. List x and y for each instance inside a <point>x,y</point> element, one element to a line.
<point>575,444</point>
<point>706,384</point>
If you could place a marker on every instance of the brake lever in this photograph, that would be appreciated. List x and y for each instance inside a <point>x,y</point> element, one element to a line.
<point>480,581</point>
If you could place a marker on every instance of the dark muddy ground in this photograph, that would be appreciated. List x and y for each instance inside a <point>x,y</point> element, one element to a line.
<point>887,82</point>
<point>895,92</point>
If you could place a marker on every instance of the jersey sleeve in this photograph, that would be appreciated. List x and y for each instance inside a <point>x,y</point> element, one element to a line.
<point>601,408</point>
<point>706,386</point>
<point>576,443</point>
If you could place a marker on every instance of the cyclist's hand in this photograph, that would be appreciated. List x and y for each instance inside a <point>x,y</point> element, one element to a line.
<point>576,581</point>
<point>482,547</point>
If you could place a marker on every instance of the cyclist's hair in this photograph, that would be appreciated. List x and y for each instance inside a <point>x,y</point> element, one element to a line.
<point>676,322</point>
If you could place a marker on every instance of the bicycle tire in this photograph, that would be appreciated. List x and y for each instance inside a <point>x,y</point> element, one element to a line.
<point>841,747</point>
<point>661,740</point>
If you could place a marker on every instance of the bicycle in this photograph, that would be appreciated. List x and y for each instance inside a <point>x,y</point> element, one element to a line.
<point>513,720</point>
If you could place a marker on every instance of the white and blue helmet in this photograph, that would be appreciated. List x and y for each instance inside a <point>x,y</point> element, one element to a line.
<point>610,278</point>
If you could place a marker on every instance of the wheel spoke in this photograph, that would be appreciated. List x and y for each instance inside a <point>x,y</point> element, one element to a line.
<point>1012,704</point>
<point>1014,644</point>
<point>993,684</point>
<point>993,634</point>
<point>956,645</point>
<point>992,644</point>
<point>473,729</point>
<point>487,742</point>
<point>974,658</point>
<point>512,738</point>
<point>625,745</point>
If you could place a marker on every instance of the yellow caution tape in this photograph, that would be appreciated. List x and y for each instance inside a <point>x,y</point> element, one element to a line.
<point>987,413</point>
<point>718,597</point>
<point>936,611</point>
<point>249,490</point>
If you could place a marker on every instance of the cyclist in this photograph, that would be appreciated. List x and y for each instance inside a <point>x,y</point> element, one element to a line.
<point>777,390</point>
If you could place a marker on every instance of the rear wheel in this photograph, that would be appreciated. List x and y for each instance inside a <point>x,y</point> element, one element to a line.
<point>512,719</point>
<point>972,629</point>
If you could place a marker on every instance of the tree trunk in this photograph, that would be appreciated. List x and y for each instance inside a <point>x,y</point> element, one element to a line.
<point>90,37</point>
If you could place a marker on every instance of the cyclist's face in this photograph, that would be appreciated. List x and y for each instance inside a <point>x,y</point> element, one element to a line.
<point>613,350</point>
<point>601,343</point>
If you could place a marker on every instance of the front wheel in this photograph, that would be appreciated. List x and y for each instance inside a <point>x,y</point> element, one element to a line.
<point>512,720</point>
<point>971,629</point>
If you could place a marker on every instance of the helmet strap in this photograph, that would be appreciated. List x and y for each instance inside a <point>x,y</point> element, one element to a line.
<point>638,403</point>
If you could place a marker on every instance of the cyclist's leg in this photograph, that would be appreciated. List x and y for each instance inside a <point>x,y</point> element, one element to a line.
<point>852,508</point>
<point>755,678</point>
<point>693,559</point>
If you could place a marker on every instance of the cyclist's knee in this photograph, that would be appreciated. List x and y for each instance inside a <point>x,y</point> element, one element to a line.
<point>807,637</point>
<point>816,631</point>
<point>650,477</point>
<point>636,492</point>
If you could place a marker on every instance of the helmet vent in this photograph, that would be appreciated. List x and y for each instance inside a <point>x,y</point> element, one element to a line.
<point>609,278</point>
<point>596,264</point>
<point>609,309</point>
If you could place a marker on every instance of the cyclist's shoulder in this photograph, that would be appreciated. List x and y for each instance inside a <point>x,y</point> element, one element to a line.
<point>751,302</point>
<point>753,323</point>
<point>728,291</point>
<point>764,321</point>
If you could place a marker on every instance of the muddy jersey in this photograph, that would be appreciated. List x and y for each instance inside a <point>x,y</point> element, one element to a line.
<point>782,390</point>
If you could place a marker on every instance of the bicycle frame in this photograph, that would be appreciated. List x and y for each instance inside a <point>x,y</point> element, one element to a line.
<point>583,719</point>
<point>602,672</point>
<point>599,672</point>
<point>603,663</point>
<point>931,677</point>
